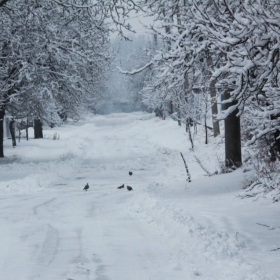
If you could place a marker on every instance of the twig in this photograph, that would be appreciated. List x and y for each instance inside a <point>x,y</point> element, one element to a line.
<point>204,168</point>
<point>263,225</point>
<point>253,185</point>
<point>187,169</point>
<point>274,249</point>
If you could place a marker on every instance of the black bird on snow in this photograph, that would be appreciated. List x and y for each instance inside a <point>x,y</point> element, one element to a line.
<point>130,173</point>
<point>86,187</point>
<point>129,188</point>
<point>121,187</point>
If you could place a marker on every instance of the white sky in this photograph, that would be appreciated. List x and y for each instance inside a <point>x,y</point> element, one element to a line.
<point>136,21</point>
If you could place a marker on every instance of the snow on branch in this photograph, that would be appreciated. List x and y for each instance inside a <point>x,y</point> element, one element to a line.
<point>135,71</point>
<point>225,113</point>
<point>72,4</point>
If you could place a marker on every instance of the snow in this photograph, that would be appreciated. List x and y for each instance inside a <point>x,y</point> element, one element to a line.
<point>166,228</point>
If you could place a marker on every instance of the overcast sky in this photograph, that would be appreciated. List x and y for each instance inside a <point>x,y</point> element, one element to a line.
<point>136,21</point>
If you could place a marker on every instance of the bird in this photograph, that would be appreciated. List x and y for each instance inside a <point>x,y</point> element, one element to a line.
<point>121,187</point>
<point>129,188</point>
<point>86,187</point>
<point>130,173</point>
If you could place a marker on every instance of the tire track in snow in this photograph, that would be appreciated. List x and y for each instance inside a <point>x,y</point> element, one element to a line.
<point>42,204</point>
<point>47,255</point>
<point>50,246</point>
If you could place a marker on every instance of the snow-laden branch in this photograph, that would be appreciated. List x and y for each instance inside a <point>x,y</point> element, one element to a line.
<point>135,71</point>
<point>53,62</point>
<point>72,4</point>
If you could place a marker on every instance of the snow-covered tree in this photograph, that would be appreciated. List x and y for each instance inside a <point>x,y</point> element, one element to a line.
<point>242,39</point>
<point>180,69</point>
<point>53,59</point>
<point>230,47</point>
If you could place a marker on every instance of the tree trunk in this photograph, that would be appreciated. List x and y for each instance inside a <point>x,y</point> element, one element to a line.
<point>214,107</point>
<point>233,156</point>
<point>179,118</point>
<point>206,134</point>
<point>155,41</point>
<point>26,128</point>
<point>13,132</point>
<point>171,111</point>
<point>38,130</point>
<point>2,114</point>
<point>212,89</point>
<point>188,129</point>
<point>19,134</point>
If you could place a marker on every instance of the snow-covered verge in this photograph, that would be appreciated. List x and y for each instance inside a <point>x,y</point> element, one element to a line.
<point>166,228</point>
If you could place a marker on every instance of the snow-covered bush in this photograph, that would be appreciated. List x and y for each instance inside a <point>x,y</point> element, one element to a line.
<point>266,172</point>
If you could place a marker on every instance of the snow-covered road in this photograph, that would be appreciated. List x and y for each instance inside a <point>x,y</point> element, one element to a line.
<point>68,234</point>
<point>163,229</point>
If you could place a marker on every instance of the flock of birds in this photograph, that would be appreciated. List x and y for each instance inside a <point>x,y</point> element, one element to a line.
<point>129,188</point>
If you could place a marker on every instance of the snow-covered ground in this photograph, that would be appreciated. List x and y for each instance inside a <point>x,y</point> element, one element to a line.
<point>166,228</point>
